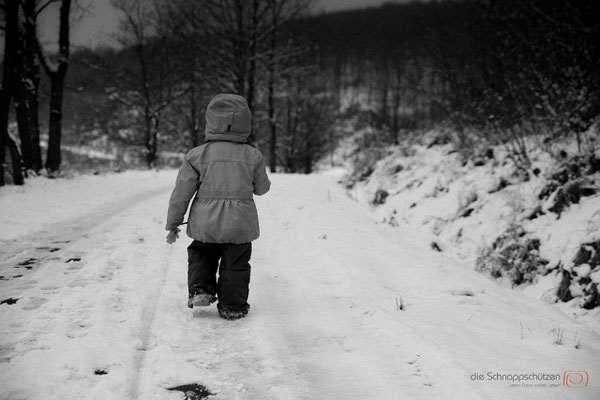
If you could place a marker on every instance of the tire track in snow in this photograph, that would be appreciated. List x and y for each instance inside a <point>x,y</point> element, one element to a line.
<point>56,238</point>
<point>148,317</point>
<point>110,243</point>
<point>24,258</point>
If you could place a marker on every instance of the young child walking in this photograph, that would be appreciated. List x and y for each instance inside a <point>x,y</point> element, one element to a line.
<point>222,176</point>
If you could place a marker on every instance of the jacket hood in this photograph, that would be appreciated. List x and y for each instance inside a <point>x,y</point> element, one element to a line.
<point>228,118</point>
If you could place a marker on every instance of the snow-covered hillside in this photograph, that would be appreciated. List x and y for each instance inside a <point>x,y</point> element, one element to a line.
<point>93,306</point>
<point>536,230</point>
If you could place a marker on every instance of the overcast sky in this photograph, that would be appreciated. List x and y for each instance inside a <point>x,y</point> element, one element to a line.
<point>99,21</point>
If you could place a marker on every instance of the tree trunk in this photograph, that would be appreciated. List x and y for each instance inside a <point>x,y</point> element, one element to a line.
<point>308,155</point>
<point>34,126</point>
<point>193,118</point>
<point>253,49</point>
<point>53,156</point>
<point>148,138</point>
<point>273,126</point>
<point>240,50</point>
<point>250,57</point>
<point>337,82</point>
<point>11,38</point>
<point>32,83</point>
<point>15,158</point>
<point>2,154</point>
<point>290,142</point>
<point>147,96</point>
<point>383,113</point>
<point>20,99</point>
<point>154,144</point>
<point>57,82</point>
<point>271,91</point>
<point>395,106</point>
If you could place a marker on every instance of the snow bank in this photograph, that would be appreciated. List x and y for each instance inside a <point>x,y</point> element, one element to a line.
<point>466,204</point>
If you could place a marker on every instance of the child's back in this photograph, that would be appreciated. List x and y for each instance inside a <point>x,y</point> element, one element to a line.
<point>223,211</point>
<point>223,174</point>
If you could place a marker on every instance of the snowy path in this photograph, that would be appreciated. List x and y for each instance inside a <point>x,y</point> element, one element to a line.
<point>104,316</point>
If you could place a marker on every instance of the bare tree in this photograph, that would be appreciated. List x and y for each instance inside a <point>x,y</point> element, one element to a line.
<point>236,29</point>
<point>185,23</point>
<point>309,111</point>
<point>20,102</point>
<point>11,43</point>
<point>235,46</point>
<point>57,75</point>
<point>281,12</point>
<point>149,89</point>
<point>31,77</point>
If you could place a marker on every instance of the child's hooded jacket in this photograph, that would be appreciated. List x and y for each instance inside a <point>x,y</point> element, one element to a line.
<point>223,173</point>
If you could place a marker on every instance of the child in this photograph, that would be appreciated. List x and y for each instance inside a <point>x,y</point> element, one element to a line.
<point>223,174</point>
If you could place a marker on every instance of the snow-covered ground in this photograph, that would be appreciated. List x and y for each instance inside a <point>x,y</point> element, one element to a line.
<point>93,306</point>
<point>42,202</point>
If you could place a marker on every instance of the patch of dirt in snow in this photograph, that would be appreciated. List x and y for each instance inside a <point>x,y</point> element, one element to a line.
<point>192,391</point>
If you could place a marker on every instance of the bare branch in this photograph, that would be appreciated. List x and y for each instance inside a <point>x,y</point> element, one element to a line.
<point>44,6</point>
<point>42,57</point>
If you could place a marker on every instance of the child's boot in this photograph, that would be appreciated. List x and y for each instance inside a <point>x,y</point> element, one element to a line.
<point>232,311</point>
<point>201,300</point>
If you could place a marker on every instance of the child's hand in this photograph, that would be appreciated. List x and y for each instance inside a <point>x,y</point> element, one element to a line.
<point>173,235</point>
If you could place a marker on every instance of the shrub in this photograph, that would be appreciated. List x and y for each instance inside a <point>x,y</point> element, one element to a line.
<point>514,256</point>
<point>369,148</point>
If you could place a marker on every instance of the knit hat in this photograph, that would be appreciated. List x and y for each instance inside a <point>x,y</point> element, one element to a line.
<point>228,118</point>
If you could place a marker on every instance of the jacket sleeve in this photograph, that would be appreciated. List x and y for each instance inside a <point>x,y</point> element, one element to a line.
<point>261,182</point>
<point>186,185</point>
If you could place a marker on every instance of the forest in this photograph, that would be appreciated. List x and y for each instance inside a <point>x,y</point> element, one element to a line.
<point>493,71</point>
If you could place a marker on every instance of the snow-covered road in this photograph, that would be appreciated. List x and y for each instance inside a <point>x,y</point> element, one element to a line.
<point>94,308</point>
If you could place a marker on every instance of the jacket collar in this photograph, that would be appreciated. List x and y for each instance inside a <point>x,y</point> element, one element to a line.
<point>226,137</point>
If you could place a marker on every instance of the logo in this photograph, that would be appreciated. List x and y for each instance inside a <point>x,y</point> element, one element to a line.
<point>575,379</point>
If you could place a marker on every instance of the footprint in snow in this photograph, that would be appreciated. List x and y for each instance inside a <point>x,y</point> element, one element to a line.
<point>74,333</point>
<point>462,292</point>
<point>464,296</point>
<point>81,282</point>
<point>49,249</point>
<point>27,285</point>
<point>50,289</point>
<point>27,264</point>
<point>35,303</point>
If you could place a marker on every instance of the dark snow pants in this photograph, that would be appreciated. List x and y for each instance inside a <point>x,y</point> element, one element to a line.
<point>233,264</point>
